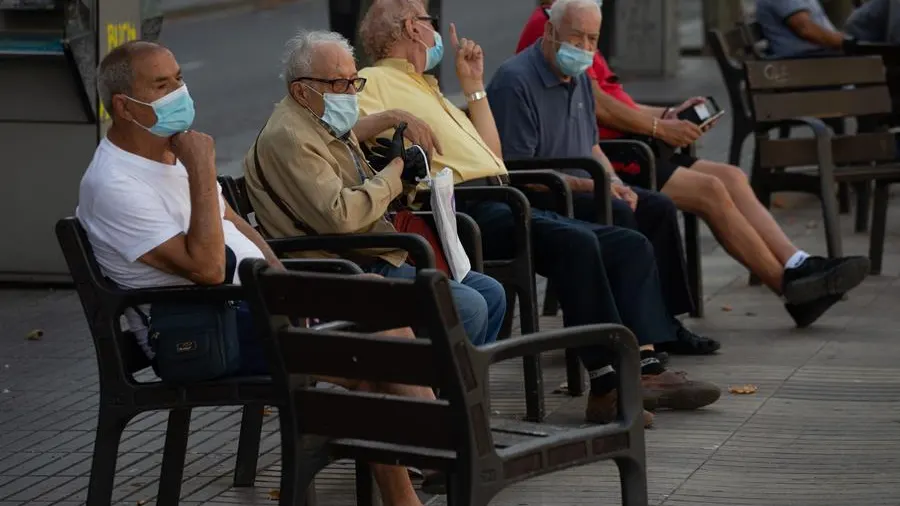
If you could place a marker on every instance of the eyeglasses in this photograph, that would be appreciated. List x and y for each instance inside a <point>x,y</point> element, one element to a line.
<point>339,85</point>
<point>433,20</point>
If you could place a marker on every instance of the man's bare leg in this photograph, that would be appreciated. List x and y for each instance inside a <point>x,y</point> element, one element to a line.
<point>760,218</point>
<point>393,481</point>
<point>707,196</point>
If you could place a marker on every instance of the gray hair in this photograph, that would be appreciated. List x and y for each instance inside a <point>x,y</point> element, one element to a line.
<point>115,74</point>
<point>561,7</point>
<point>299,51</point>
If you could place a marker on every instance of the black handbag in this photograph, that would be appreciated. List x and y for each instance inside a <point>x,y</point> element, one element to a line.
<point>195,342</point>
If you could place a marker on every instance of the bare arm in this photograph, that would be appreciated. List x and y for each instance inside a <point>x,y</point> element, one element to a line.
<point>803,25</point>
<point>368,127</point>
<point>483,119</point>
<point>254,236</point>
<point>616,115</point>
<point>198,255</point>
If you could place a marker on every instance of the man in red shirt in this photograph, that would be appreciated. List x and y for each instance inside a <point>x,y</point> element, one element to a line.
<point>718,193</point>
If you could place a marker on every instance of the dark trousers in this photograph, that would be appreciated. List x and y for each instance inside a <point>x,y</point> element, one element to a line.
<point>602,274</point>
<point>656,217</point>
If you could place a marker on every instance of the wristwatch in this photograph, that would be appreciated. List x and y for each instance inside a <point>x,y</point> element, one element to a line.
<point>475,97</point>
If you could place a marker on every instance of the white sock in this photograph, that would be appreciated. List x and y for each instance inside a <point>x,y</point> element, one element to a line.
<point>796,259</point>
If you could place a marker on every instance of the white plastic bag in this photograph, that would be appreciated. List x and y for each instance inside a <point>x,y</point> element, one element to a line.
<point>444,209</point>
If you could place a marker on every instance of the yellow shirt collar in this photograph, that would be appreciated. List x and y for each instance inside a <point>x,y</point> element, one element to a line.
<point>405,66</point>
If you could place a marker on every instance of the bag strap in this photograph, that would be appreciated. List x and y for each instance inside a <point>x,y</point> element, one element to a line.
<point>282,205</point>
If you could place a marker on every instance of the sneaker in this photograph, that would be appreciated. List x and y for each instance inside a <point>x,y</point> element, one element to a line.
<point>818,277</point>
<point>807,313</point>
<point>603,409</point>
<point>673,390</point>
<point>663,358</point>
<point>688,343</point>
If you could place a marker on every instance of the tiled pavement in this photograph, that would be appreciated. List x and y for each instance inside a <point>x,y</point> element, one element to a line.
<point>823,429</point>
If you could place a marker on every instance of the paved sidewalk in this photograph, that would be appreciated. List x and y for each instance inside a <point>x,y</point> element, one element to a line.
<point>822,430</point>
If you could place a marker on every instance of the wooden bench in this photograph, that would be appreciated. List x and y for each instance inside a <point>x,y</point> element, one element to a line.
<point>804,93</point>
<point>515,273</point>
<point>454,434</point>
<point>120,359</point>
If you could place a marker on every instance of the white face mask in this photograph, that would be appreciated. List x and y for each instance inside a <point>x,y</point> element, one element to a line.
<point>341,111</point>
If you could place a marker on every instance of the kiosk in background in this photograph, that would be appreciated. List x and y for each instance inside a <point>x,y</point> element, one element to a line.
<point>50,117</point>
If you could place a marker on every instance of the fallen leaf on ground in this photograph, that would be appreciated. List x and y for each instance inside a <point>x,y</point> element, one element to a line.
<point>267,412</point>
<point>274,495</point>
<point>727,308</point>
<point>35,335</point>
<point>743,389</point>
<point>142,502</point>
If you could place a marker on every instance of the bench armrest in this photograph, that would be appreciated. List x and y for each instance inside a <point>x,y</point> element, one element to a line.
<point>616,338</point>
<point>469,236</point>
<point>552,180</point>
<point>514,198</point>
<point>633,151</point>
<point>190,294</point>
<point>417,247</point>
<point>591,166</point>
<point>328,265</point>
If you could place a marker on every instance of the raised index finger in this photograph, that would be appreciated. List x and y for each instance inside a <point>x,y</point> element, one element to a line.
<point>454,40</point>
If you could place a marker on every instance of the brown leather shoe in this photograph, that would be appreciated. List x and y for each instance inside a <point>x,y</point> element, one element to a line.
<point>603,409</point>
<point>674,390</point>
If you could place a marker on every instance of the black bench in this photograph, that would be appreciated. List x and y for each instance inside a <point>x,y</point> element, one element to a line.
<point>804,93</point>
<point>119,359</point>
<point>454,434</point>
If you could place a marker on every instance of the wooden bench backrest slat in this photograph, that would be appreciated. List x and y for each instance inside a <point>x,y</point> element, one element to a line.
<point>378,304</point>
<point>374,417</point>
<point>814,72</point>
<point>773,107</point>
<point>850,149</point>
<point>357,356</point>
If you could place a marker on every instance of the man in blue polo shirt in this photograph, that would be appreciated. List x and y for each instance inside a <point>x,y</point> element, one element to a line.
<point>543,105</point>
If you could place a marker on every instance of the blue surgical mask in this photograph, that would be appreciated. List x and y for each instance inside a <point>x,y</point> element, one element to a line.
<point>174,113</point>
<point>573,61</point>
<point>341,111</point>
<point>435,53</point>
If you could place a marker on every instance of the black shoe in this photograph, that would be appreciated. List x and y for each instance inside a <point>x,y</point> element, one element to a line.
<point>807,313</point>
<point>688,343</point>
<point>818,277</point>
<point>663,358</point>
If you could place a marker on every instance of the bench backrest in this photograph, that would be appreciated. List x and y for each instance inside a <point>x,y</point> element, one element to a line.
<point>820,88</point>
<point>118,354</point>
<point>730,50</point>
<point>446,359</point>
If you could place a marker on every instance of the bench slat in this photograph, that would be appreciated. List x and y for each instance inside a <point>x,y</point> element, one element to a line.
<point>813,72</point>
<point>357,356</point>
<point>774,107</point>
<point>846,149</point>
<point>375,417</point>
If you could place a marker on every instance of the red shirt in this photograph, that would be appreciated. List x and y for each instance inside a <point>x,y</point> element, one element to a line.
<point>599,72</point>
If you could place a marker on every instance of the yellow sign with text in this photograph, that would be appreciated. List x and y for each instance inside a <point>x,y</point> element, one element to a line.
<point>116,35</point>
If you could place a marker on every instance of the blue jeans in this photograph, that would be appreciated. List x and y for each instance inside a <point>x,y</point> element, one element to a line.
<point>480,300</point>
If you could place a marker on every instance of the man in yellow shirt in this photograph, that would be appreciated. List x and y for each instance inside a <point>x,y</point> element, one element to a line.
<point>603,274</point>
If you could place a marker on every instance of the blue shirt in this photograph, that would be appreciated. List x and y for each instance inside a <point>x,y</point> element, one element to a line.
<point>539,115</point>
<point>772,16</point>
